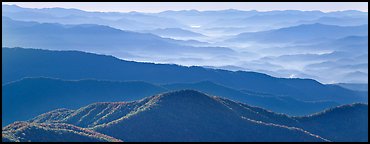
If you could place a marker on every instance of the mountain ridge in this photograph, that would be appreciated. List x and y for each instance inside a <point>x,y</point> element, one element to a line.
<point>82,37</point>
<point>295,33</point>
<point>111,68</point>
<point>167,104</point>
<point>61,92</point>
<point>194,116</point>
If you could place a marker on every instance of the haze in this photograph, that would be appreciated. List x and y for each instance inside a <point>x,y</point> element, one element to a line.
<point>201,6</point>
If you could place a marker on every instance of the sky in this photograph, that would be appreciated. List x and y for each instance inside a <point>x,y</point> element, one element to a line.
<point>150,7</point>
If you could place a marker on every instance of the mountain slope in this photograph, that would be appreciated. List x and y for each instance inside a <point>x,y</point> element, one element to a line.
<point>184,116</point>
<point>276,103</point>
<point>188,115</point>
<point>56,132</point>
<point>355,86</point>
<point>52,116</point>
<point>192,116</point>
<point>33,96</point>
<point>305,32</point>
<point>30,97</point>
<point>71,65</point>
<point>344,123</point>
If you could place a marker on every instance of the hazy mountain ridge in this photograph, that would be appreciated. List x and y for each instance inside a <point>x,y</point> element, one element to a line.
<point>83,37</point>
<point>213,50</point>
<point>290,15</point>
<point>303,32</point>
<point>189,75</point>
<point>342,21</point>
<point>355,86</point>
<point>174,32</point>
<point>239,18</point>
<point>125,21</point>
<point>34,61</point>
<point>30,63</point>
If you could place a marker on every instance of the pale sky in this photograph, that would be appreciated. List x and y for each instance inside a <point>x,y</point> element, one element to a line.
<point>201,6</point>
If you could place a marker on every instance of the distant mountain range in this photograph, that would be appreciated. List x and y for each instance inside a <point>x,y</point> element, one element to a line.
<point>174,32</point>
<point>64,64</point>
<point>124,21</point>
<point>73,65</point>
<point>289,96</point>
<point>302,33</point>
<point>355,86</point>
<point>188,115</point>
<point>96,38</point>
<point>220,37</point>
<point>341,21</point>
<point>41,95</point>
<point>70,75</point>
<point>231,18</point>
<point>238,18</point>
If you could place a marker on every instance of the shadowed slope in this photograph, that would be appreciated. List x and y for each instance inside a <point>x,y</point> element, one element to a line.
<point>188,115</point>
<point>343,123</point>
<point>192,116</point>
<point>30,97</point>
<point>33,96</point>
<point>276,103</point>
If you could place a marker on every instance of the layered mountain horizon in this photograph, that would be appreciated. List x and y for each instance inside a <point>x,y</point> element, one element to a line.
<point>136,84</point>
<point>250,40</point>
<point>74,75</point>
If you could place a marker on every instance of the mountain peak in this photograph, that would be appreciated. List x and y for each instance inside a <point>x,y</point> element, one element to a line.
<point>184,92</point>
<point>184,97</point>
<point>195,116</point>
